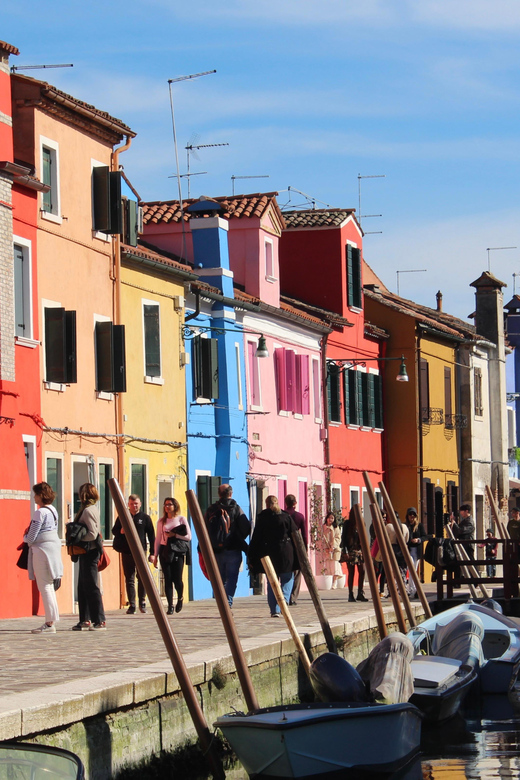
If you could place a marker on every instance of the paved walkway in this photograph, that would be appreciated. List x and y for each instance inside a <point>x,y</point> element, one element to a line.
<point>30,661</point>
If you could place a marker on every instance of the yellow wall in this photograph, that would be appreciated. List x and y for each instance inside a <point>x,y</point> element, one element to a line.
<point>154,411</point>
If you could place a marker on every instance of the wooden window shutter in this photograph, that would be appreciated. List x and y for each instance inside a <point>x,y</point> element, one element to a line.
<point>305,384</point>
<point>298,391</point>
<point>350,279</point>
<point>108,208</point>
<point>290,379</point>
<point>213,368</point>
<point>346,396</point>
<point>70,346</point>
<point>371,400</point>
<point>19,292</point>
<point>104,357</point>
<point>254,395</point>
<point>131,222</point>
<point>378,401</point>
<point>55,353</point>
<point>205,365</point>
<point>353,400</point>
<point>365,417</point>
<point>279,373</point>
<point>424,390</point>
<point>359,397</point>
<point>333,393</point>
<point>119,353</point>
<point>356,278</point>
<point>477,377</point>
<point>203,492</point>
<point>447,394</point>
<point>152,347</point>
<point>47,176</point>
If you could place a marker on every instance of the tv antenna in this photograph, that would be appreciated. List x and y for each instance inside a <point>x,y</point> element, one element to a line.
<point>14,68</point>
<point>233,178</point>
<point>411,271</point>
<point>367,216</point>
<point>494,249</point>
<point>309,200</point>
<point>191,148</point>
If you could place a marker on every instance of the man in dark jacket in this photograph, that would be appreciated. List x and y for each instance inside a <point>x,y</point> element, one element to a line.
<point>146,532</point>
<point>229,559</point>
<point>301,525</point>
<point>465,528</point>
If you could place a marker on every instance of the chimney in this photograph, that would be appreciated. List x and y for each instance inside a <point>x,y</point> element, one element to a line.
<point>439,301</point>
<point>210,244</point>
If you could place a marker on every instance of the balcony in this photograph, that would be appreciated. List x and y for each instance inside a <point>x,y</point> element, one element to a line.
<point>455,421</point>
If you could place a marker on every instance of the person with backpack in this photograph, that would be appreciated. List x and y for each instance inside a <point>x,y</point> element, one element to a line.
<point>272,537</point>
<point>228,529</point>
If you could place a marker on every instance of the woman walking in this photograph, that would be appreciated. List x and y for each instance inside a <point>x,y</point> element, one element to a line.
<point>172,549</point>
<point>45,564</point>
<point>90,602</point>
<point>330,548</point>
<point>350,542</point>
<point>272,537</point>
<point>416,536</point>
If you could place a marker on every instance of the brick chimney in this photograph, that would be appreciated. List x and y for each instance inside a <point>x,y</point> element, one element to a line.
<point>439,301</point>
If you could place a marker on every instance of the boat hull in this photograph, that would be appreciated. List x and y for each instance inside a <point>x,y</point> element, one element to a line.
<point>438,704</point>
<point>323,740</point>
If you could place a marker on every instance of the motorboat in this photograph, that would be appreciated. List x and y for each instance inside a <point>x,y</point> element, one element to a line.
<point>24,760</point>
<point>346,730</point>
<point>498,660</point>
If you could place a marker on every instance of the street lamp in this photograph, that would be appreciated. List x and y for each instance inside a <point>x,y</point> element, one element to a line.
<point>344,363</point>
<point>190,331</point>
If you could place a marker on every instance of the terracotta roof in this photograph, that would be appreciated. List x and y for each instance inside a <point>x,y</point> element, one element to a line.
<point>285,309</point>
<point>330,317</point>
<point>440,321</point>
<point>165,259</point>
<point>235,207</point>
<point>61,103</point>
<point>317,217</point>
<point>375,332</point>
<point>9,48</point>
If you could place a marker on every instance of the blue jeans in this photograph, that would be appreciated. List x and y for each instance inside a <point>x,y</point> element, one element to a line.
<point>286,581</point>
<point>229,562</point>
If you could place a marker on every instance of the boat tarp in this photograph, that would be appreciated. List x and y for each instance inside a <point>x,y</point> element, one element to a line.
<point>461,639</point>
<point>388,669</point>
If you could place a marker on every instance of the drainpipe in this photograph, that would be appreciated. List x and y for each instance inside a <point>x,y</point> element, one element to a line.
<point>117,320</point>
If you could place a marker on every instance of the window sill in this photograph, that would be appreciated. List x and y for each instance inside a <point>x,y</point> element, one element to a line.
<point>377,430</point>
<point>298,416</point>
<point>48,215</point>
<point>22,341</point>
<point>335,423</point>
<point>253,408</point>
<point>101,236</point>
<point>353,427</point>
<point>318,420</point>
<point>154,380</point>
<point>203,401</point>
<point>283,413</point>
<point>356,309</point>
<point>271,279</point>
<point>57,387</point>
<point>102,396</point>
<point>366,428</point>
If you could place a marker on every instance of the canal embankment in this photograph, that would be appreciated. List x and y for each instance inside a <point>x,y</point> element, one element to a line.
<point>113,697</point>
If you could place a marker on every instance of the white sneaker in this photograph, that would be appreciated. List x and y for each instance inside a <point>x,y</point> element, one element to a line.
<point>44,629</point>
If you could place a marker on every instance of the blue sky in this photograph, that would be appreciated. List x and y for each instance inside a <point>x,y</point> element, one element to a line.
<point>312,94</point>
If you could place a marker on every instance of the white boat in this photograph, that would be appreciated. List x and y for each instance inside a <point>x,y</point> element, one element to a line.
<point>500,648</point>
<point>323,740</point>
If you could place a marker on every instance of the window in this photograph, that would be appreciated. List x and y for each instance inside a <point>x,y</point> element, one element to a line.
<point>448,418</point>
<point>54,476</point>
<point>50,176</point>
<point>333,392</point>
<point>354,496</point>
<point>22,290</point>
<point>239,376</point>
<point>105,500</point>
<point>138,483</point>
<point>107,204</point>
<point>281,490</point>
<point>110,358</point>
<point>207,490</point>
<point>378,401</point>
<point>152,340</point>
<point>335,497</point>
<point>353,397</point>
<point>255,400</point>
<point>269,260</point>
<point>316,389</point>
<point>353,276</point>
<point>424,390</point>
<point>205,367</point>
<point>477,381</point>
<point>292,381</point>
<point>60,345</point>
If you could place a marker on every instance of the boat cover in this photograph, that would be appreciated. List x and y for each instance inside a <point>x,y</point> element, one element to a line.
<point>388,669</point>
<point>334,679</point>
<point>461,639</point>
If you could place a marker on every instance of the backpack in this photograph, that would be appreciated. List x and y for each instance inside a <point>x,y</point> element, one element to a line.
<point>74,533</point>
<point>218,525</point>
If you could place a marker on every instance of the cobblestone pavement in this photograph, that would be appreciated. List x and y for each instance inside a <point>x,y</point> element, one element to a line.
<point>29,661</point>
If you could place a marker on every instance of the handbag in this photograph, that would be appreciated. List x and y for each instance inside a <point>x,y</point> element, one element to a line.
<point>57,583</point>
<point>104,561</point>
<point>23,560</point>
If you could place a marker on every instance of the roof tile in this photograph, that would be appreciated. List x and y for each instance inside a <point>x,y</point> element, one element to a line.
<point>235,207</point>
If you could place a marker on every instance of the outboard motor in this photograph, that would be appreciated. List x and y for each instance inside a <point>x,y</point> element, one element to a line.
<point>334,679</point>
<point>492,604</point>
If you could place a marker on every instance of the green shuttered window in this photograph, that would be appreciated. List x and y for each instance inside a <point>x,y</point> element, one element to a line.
<point>205,367</point>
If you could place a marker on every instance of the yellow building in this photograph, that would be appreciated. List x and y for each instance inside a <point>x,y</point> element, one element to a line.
<point>154,406</point>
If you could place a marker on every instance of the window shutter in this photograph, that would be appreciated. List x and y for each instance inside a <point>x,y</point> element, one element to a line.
<point>424,390</point>
<point>116,206</point>
<point>333,393</point>
<point>346,394</point>
<point>47,179</point>
<point>251,360</point>
<point>447,394</point>
<point>70,346</point>
<point>108,214</point>
<point>356,278</point>
<point>214,484</point>
<point>353,400</point>
<point>19,296</point>
<point>214,388</point>
<point>365,399</point>
<point>152,347</point>
<point>378,401</point>
<point>119,358</point>
<point>298,392</point>
<point>290,379</point>
<point>279,371</point>
<point>316,384</point>
<point>131,222</point>
<point>55,365</point>
<point>371,400</point>
<point>359,397</point>
<point>205,365</point>
<point>203,493</point>
<point>305,384</point>
<point>350,280</point>
<point>104,357</point>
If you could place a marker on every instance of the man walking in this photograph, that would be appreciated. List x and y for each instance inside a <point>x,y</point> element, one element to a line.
<point>465,528</point>
<point>146,533</point>
<point>299,521</point>
<point>229,542</point>
<point>513,525</point>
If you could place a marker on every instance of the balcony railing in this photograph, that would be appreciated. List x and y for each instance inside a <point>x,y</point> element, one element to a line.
<point>431,416</point>
<point>452,421</point>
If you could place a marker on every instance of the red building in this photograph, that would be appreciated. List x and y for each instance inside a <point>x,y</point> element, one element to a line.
<point>20,434</point>
<point>321,265</point>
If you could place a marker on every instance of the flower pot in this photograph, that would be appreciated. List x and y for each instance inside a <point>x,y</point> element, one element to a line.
<point>340,582</point>
<point>324,581</point>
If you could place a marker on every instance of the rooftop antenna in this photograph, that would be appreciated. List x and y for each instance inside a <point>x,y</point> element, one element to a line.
<point>14,68</point>
<point>494,249</point>
<point>170,82</point>
<point>367,216</point>
<point>310,201</point>
<point>411,271</point>
<point>261,176</point>
<point>192,147</point>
